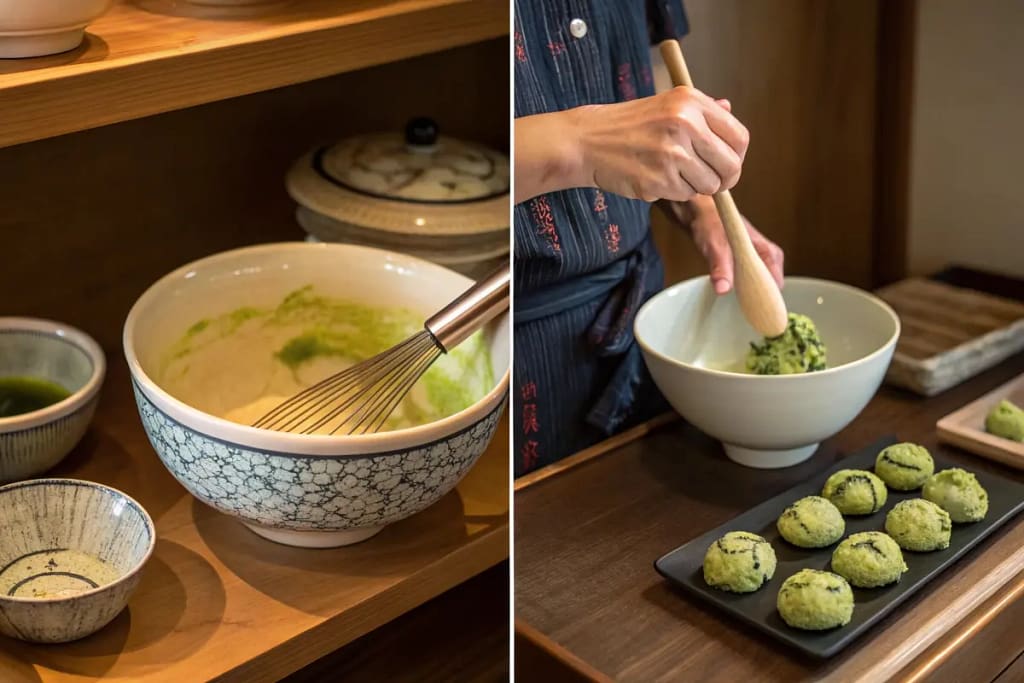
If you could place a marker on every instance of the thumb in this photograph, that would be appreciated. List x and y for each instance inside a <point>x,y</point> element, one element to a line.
<point>725,104</point>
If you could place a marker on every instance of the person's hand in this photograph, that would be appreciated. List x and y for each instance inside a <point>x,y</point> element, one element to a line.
<point>674,145</point>
<point>708,235</point>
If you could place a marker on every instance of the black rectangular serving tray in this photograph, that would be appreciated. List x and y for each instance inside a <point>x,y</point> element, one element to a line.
<point>683,565</point>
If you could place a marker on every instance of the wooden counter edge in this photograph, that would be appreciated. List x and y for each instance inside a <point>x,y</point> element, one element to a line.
<point>335,633</point>
<point>921,669</point>
<point>545,646</point>
<point>594,451</point>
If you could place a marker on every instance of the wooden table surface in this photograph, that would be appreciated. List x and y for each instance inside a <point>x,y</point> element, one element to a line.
<point>218,602</point>
<point>587,594</point>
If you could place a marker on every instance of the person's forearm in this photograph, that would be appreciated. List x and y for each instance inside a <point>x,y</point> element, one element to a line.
<point>547,155</point>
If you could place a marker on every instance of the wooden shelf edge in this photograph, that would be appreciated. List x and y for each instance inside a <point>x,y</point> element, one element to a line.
<point>595,451</point>
<point>546,649</point>
<point>470,560</point>
<point>64,99</point>
<point>921,669</point>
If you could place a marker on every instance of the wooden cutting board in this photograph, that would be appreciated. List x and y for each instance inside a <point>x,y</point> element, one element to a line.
<point>966,427</point>
<point>949,333</point>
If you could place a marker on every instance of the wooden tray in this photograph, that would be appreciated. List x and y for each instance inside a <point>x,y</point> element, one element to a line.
<point>966,427</point>
<point>949,333</point>
<point>218,602</point>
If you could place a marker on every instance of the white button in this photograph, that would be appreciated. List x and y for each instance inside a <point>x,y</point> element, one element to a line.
<point>578,28</point>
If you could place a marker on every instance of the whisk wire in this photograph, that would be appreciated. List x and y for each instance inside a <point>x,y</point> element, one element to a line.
<point>352,404</point>
<point>364,411</point>
<point>292,413</point>
<point>391,401</point>
<point>361,398</point>
<point>337,383</point>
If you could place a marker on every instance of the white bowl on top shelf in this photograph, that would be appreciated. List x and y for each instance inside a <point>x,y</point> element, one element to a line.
<point>693,339</point>
<point>32,28</point>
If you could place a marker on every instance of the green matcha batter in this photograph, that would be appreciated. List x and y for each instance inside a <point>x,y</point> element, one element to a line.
<point>244,362</point>
<point>797,350</point>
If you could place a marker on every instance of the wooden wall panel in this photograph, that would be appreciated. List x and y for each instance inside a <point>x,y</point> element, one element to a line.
<point>89,220</point>
<point>801,74</point>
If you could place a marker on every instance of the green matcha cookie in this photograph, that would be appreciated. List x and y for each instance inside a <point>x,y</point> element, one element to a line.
<point>798,349</point>
<point>1006,420</point>
<point>919,525</point>
<point>740,562</point>
<point>869,559</point>
<point>957,492</point>
<point>811,522</point>
<point>815,600</point>
<point>904,466</point>
<point>855,492</point>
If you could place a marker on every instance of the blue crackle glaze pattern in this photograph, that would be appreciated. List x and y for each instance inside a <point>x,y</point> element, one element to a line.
<point>313,493</point>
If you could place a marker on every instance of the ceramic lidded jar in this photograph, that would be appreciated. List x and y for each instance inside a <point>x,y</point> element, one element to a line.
<point>419,192</point>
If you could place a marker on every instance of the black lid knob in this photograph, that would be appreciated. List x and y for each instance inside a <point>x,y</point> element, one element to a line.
<point>421,132</point>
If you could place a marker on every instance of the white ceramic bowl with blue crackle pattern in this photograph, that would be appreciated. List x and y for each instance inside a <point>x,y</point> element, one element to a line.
<point>303,490</point>
<point>33,442</point>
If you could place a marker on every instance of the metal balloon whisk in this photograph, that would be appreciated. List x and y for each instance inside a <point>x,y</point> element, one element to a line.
<point>359,399</point>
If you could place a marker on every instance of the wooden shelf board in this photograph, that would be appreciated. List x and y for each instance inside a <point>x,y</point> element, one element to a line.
<point>218,602</point>
<point>150,56</point>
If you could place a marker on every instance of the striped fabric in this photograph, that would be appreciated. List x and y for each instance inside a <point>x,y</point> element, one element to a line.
<point>584,261</point>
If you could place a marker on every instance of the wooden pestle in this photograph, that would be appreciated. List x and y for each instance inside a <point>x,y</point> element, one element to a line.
<point>759,296</point>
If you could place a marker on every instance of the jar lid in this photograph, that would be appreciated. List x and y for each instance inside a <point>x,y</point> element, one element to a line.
<point>419,182</point>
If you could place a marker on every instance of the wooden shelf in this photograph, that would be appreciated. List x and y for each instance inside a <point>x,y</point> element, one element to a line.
<point>218,602</point>
<point>150,56</point>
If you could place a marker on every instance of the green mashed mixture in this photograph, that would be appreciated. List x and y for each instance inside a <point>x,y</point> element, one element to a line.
<point>799,349</point>
<point>241,363</point>
<point>1006,420</point>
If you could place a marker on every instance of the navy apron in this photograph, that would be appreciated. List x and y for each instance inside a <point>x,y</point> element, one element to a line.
<point>584,259</point>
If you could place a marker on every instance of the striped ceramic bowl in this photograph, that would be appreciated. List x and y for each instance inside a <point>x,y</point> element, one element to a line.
<point>31,443</point>
<point>71,553</point>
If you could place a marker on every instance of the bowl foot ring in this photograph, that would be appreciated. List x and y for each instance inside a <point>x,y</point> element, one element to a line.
<point>315,539</point>
<point>767,459</point>
<point>14,45</point>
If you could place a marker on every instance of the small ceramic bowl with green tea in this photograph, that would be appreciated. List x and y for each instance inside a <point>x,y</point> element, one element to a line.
<point>50,378</point>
